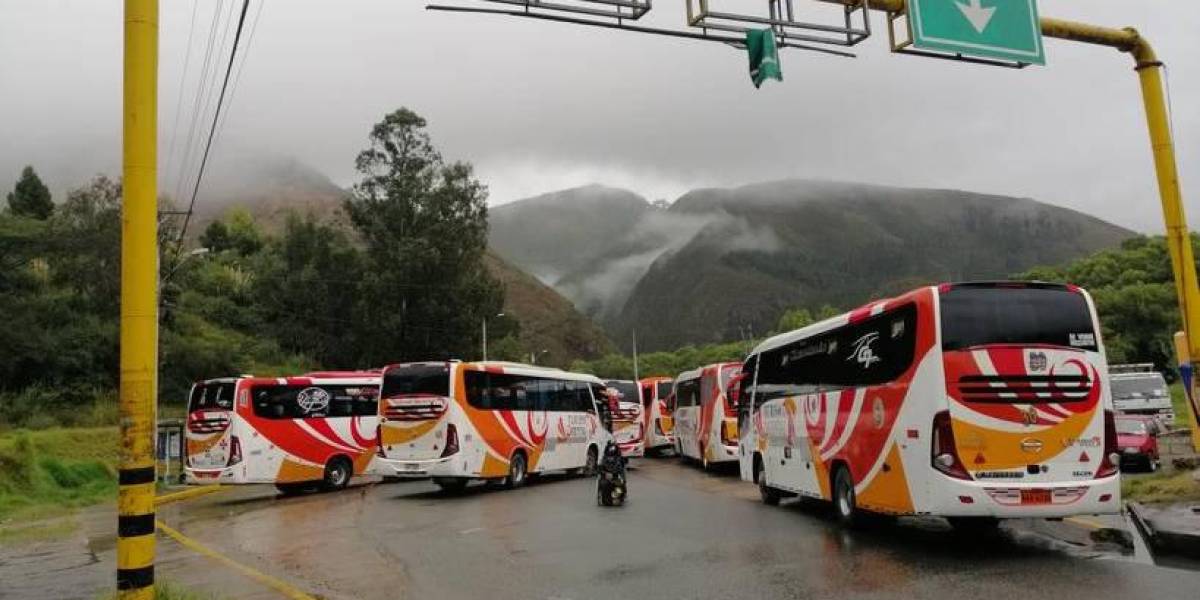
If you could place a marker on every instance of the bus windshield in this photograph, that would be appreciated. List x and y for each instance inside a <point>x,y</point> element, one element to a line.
<point>664,390</point>
<point>981,315</point>
<point>626,390</point>
<point>417,380</point>
<point>212,396</point>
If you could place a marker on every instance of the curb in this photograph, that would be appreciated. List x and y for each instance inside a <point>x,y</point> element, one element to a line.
<point>1164,540</point>
<point>186,494</point>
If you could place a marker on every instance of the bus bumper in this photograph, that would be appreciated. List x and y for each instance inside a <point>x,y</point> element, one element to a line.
<point>416,469</point>
<point>1029,500</point>
<point>229,475</point>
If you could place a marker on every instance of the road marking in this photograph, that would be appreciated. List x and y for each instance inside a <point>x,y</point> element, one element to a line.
<point>1086,522</point>
<point>471,530</point>
<point>284,588</point>
<point>187,494</point>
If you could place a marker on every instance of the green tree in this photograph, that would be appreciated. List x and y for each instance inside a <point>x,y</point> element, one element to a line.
<point>423,223</point>
<point>309,290</point>
<point>802,317</point>
<point>30,197</point>
<point>1134,291</point>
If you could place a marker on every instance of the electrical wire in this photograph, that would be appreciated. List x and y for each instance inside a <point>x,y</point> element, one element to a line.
<point>187,60</point>
<point>242,64</point>
<point>216,118</point>
<point>201,93</point>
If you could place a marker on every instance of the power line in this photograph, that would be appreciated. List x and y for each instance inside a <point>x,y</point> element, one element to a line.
<point>198,103</point>
<point>187,60</point>
<point>216,117</point>
<point>242,64</point>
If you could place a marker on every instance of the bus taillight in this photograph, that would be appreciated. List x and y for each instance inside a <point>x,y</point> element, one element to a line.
<point>235,451</point>
<point>945,454</point>
<point>451,441</point>
<point>1111,462</point>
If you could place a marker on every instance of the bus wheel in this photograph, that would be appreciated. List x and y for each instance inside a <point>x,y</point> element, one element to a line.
<point>516,472</point>
<point>974,526</point>
<point>337,473</point>
<point>770,495</point>
<point>451,485</point>
<point>844,502</point>
<point>593,458</point>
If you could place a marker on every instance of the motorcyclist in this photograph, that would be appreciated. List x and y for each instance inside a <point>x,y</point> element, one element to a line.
<point>611,487</point>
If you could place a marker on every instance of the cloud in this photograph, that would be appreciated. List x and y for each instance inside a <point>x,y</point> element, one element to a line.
<point>538,106</point>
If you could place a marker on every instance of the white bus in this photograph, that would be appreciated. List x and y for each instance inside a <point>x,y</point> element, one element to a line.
<point>705,419</point>
<point>659,424</point>
<point>627,425</point>
<point>494,421</point>
<point>294,432</point>
<point>970,401</point>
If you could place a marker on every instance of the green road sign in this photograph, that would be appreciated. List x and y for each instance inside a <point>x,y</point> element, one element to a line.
<point>1001,29</point>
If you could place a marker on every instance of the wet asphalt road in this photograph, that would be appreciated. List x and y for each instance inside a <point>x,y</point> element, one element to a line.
<point>684,534</point>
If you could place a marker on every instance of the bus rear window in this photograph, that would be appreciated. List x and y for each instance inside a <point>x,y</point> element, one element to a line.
<point>981,315</point>
<point>417,380</point>
<point>212,396</point>
<point>664,390</point>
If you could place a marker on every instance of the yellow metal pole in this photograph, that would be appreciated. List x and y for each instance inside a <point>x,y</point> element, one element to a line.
<point>1179,241</point>
<point>1149,70</point>
<point>139,303</point>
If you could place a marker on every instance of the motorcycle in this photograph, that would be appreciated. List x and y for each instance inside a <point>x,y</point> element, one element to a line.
<point>611,488</point>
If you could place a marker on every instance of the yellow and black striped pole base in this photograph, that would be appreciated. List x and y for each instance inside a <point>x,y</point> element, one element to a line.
<point>135,532</point>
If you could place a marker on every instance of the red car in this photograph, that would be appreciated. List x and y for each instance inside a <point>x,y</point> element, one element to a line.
<point>1137,438</point>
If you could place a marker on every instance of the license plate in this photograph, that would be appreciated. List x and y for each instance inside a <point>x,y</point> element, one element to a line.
<point>412,467</point>
<point>1035,496</point>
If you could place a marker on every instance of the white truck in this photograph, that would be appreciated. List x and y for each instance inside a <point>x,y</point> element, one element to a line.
<point>1137,389</point>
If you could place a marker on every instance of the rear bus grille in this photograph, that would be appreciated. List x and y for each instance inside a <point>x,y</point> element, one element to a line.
<point>208,424</point>
<point>1024,389</point>
<point>413,409</point>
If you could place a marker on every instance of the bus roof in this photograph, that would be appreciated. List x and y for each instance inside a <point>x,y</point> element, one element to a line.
<point>697,372</point>
<point>327,378</point>
<point>868,309</point>
<point>510,367</point>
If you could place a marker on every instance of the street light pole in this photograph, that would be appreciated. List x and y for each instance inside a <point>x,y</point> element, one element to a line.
<point>485,335</point>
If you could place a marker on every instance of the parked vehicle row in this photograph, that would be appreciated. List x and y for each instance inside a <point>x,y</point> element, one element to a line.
<point>975,402</point>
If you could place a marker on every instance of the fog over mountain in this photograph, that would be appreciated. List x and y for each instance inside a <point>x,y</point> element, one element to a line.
<point>720,262</point>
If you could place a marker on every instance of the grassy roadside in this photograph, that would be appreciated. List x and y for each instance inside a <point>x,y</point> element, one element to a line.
<point>1161,487</point>
<point>165,590</point>
<point>51,471</point>
<point>1179,403</point>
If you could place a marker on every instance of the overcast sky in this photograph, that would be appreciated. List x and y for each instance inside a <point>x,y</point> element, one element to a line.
<point>541,106</point>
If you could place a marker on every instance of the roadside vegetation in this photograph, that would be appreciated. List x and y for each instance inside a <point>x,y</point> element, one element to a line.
<point>1180,486</point>
<point>236,299</point>
<point>166,590</point>
<point>48,472</point>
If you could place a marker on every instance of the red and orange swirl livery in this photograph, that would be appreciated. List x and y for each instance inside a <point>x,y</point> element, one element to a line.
<point>978,400</point>
<point>311,428</point>
<point>489,421</point>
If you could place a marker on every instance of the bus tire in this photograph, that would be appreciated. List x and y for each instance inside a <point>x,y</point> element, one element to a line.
<point>593,459</point>
<point>451,485</point>
<point>770,495</point>
<point>518,470</point>
<point>844,501</point>
<point>338,472</point>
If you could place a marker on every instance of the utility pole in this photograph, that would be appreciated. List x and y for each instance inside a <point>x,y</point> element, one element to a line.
<point>1149,69</point>
<point>139,303</point>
